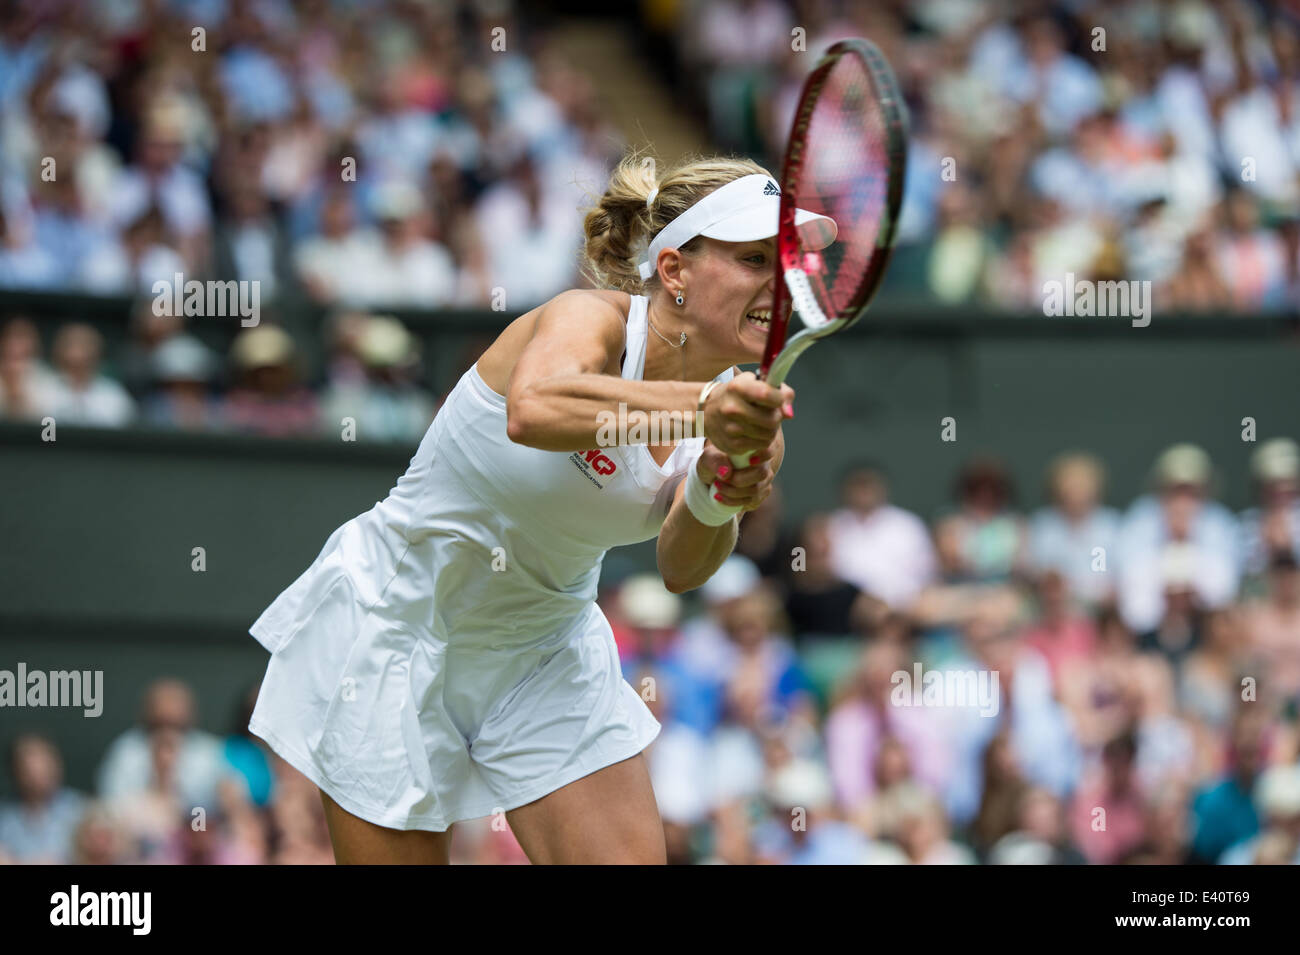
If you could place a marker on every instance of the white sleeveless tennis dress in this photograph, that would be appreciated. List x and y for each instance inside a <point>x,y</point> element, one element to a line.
<point>443,658</point>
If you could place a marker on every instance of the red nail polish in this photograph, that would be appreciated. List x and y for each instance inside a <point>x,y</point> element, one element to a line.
<point>753,460</point>
<point>724,470</point>
<point>789,410</point>
<point>718,497</point>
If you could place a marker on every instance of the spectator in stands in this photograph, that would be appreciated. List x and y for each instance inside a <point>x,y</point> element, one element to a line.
<point>645,617</point>
<point>1277,794</point>
<point>301,834</point>
<point>183,371</point>
<point>803,829</point>
<point>918,823</point>
<point>454,212</point>
<point>1040,837</point>
<point>250,245</point>
<point>1223,811</point>
<point>267,398</point>
<point>862,717</point>
<point>892,769</point>
<point>398,267</point>
<point>736,41</point>
<point>247,755</point>
<point>818,601</point>
<point>1273,631</point>
<point>757,653</point>
<point>129,766</point>
<point>144,253</point>
<point>1208,680</point>
<point>882,549</point>
<point>1075,535</point>
<point>100,840</point>
<point>1108,814</point>
<point>534,229</point>
<point>1022,702</point>
<point>1176,541</point>
<point>1258,121</point>
<point>82,394</point>
<point>1166,754</point>
<point>1273,525</point>
<point>1003,792</point>
<point>62,228</point>
<point>1251,257</point>
<point>703,649</point>
<point>1199,283</point>
<point>24,264</point>
<point>1167,828</point>
<point>26,382</point>
<point>388,405</point>
<point>151,816</point>
<point>160,176</point>
<point>1064,637</point>
<point>148,329</point>
<point>984,539</point>
<point>1064,88</point>
<point>962,250</point>
<point>39,826</point>
<point>325,263</point>
<point>1011,281</point>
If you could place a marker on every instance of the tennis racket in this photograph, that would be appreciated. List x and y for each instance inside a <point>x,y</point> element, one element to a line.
<point>845,159</point>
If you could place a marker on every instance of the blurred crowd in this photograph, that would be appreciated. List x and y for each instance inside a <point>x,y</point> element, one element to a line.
<point>380,156</point>
<point>1151,140</point>
<point>364,157</point>
<point>370,388</point>
<point>1146,706</point>
<point>376,153</point>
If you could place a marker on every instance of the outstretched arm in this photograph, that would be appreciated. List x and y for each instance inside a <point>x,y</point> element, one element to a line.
<point>560,397</point>
<point>559,394</point>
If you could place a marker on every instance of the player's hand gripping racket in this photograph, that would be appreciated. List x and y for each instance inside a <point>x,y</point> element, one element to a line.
<point>845,160</point>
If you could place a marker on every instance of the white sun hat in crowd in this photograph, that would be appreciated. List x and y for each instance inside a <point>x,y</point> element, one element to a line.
<point>646,602</point>
<point>737,577</point>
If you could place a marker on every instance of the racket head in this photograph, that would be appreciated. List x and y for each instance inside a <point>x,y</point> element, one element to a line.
<point>846,159</point>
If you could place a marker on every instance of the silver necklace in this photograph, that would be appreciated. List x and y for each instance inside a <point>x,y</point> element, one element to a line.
<point>660,334</point>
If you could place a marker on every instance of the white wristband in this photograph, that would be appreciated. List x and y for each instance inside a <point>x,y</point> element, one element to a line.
<point>701,503</point>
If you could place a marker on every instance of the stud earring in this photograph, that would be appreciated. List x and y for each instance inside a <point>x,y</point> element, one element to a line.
<point>679,300</point>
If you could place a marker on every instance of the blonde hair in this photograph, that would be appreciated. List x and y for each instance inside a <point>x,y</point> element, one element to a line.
<point>620,225</point>
<point>1077,461</point>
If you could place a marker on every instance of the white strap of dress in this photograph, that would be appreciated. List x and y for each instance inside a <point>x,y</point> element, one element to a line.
<point>634,363</point>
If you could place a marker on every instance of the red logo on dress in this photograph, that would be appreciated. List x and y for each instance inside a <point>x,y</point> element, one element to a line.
<point>600,463</point>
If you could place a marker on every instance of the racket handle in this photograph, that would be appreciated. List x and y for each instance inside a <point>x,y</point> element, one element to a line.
<point>774,377</point>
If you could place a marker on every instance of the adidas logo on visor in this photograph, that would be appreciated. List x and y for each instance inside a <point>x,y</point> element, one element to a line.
<point>770,189</point>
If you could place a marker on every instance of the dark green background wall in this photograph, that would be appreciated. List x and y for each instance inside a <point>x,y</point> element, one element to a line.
<point>97,528</point>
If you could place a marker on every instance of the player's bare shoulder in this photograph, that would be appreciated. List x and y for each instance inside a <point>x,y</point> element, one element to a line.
<point>604,308</point>
<point>592,315</point>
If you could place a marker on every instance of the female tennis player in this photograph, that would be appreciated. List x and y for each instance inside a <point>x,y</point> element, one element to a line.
<point>444,658</point>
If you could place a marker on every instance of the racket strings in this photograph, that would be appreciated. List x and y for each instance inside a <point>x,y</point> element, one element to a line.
<point>845,175</point>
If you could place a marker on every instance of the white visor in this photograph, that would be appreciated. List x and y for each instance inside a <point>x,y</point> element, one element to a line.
<point>744,210</point>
